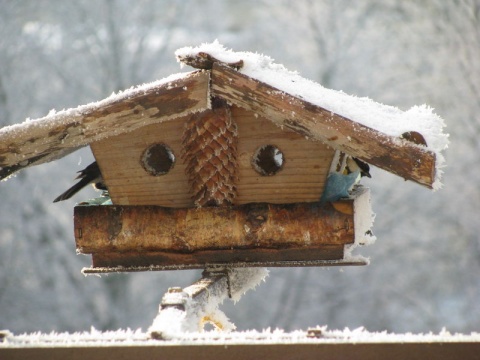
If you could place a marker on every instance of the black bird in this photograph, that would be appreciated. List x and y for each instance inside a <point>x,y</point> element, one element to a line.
<point>90,175</point>
<point>357,164</point>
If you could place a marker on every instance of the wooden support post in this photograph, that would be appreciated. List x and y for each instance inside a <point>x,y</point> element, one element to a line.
<point>189,309</point>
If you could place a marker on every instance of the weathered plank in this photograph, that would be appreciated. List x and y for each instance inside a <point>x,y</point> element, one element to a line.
<point>41,141</point>
<point>398,156</point>
<point>255,346</point>
<point>130,261</point>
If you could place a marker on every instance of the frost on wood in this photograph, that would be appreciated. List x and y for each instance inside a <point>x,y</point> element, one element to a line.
<point>59,133</point>
<point>363,222</point>
<point>188,310</point>
<point>369,126</point>
<point>396,155</point>
<point>316,335</point>
<point>389,120</point>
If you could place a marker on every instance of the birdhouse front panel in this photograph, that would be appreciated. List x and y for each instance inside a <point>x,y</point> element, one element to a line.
<point>144,167</point>
<point>277,165</point>
<point>148,166</point>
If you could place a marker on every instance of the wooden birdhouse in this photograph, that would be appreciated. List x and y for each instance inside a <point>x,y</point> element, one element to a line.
<point>227,165</point>
<point>218,186</point>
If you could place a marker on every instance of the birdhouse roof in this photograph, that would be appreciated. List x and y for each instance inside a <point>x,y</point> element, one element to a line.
<point>406,143</point>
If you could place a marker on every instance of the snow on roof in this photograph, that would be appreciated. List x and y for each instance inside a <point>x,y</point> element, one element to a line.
<point>128,337</point>
<point>57,134</point>
<point>68,114</point>
<point>386,119</point>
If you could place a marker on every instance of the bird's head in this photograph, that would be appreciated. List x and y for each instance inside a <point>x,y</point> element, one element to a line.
<point>354,164</point>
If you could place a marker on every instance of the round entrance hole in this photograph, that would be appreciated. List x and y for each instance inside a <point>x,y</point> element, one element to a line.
<point>268,160</point>
<point>157,159</point>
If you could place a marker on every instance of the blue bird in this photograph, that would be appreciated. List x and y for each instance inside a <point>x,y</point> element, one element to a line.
<point>339,184</point>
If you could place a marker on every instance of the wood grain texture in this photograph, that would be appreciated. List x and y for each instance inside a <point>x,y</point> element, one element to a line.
<point>128,182</point>
<point>41,141</point>
<point>302,178</point>
<point>304,172</point>
<point>396,155</point>
<point>143,229</point>
<point>285,348</point>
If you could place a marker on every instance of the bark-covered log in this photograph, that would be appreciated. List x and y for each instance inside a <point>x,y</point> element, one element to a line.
<point>151,235</point>
<point>252,226</point>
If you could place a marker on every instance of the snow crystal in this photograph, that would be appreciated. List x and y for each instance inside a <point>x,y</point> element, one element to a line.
<point>242,280</point>
<point>250,337</point>
<point>386,119</point>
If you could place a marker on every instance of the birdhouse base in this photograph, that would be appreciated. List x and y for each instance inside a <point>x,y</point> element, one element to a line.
<point>126,265</point>
<point>140,238</point>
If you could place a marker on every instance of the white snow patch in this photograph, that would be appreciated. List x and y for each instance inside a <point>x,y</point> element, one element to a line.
<point>386,119</point>
<point>363,219</point>
<point>69,115</point>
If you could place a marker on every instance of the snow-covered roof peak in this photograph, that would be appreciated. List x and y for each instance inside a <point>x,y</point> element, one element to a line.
<point>383,118</point>
<point>357,126</point>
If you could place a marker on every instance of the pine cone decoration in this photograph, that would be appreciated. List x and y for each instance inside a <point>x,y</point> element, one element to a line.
<point>210,153</point>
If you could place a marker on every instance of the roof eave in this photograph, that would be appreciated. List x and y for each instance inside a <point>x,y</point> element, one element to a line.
<point>398,156</point>
<point>54,136</point>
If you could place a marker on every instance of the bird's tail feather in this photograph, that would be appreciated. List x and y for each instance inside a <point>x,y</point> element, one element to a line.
<point>73,190</point>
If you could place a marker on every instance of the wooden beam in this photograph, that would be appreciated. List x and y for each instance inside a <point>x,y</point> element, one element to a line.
<point>398,156</point>
<point>54,136</point>
<point>200,259</point>
<point>152,235</point>
<point>279,347</point>
<point>122,263</point>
